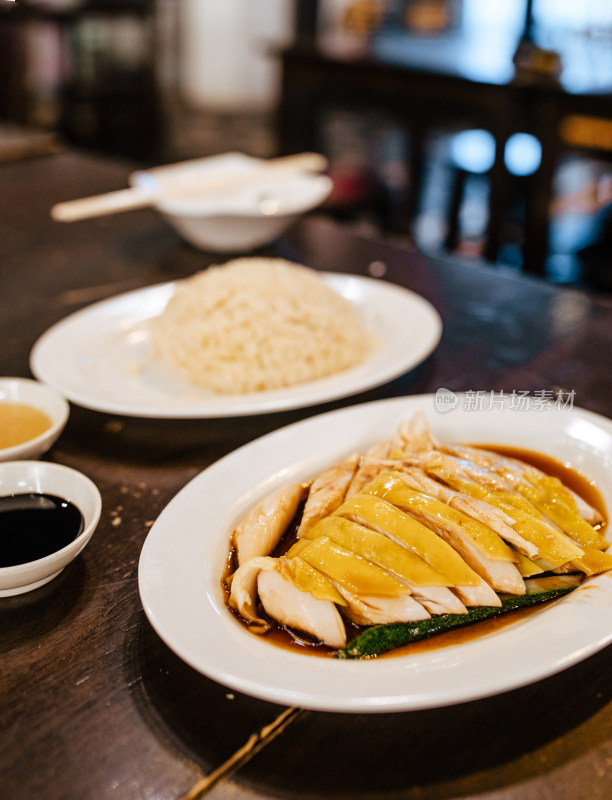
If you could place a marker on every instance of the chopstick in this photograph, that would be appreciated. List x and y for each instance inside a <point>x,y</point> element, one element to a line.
<point>252,746</point>
<point>185,185</point>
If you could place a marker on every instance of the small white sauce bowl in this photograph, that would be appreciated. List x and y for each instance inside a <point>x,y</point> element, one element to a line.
<point>24,477</point>
<point>238,220</point>
<point>249,219</point>
<point>37,395</point>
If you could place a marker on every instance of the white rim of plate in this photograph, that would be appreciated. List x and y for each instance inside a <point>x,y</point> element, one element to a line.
<point>66,356</point>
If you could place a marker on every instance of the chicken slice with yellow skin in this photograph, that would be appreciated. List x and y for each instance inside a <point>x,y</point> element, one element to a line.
<point>593,562</point>
<point>365,474</point>
<point>305,577</point>
<point>555,548</point>
<point>550,496</point>
<point>378,549</point>
<point>497,520</point>
<point>372,596</point>
<point>547,493</point>
<point>376,513</point>
<point>455,471</point>
<point>527,567</point>
<point>375,610</point>
<point>298,609</point>
<point>379,515</point>
<point>479,546</point>
<point>428,587</point>
<point>354,573</point>
<point>577,518</point>
<point>590,514</point>
<point>327,492</point>
<point>261,530</point>
<point>309,606</point>
<point>416,478</point>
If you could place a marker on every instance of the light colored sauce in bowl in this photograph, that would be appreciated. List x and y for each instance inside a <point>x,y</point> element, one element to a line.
<point>20,423</point>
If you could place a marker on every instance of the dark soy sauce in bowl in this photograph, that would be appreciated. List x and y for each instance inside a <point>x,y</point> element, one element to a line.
<point>34,525</point>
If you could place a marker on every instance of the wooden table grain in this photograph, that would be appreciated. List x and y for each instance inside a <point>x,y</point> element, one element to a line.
<point>95,706</point>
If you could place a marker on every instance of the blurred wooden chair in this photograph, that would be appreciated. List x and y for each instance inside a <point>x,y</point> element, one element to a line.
<point>472,153</point>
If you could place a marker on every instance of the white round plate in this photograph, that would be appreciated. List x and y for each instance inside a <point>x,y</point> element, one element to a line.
<point>183,558</point>
<point>100,357</point>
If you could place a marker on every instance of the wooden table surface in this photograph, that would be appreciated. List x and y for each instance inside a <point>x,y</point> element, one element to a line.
<point>95,706</point>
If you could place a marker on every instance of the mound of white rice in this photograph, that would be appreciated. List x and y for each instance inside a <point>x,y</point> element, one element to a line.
<point>254,324</point>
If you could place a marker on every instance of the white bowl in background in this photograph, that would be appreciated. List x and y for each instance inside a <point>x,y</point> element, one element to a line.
<point>240,219</point>
<point>42,397</point>
<point>43,477</point>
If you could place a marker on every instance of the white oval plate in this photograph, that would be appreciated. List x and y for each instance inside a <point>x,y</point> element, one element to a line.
<point>100,357</point>
<point>183,557</point>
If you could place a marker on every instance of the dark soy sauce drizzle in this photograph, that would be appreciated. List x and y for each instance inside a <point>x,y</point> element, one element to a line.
<point>33,526</point>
